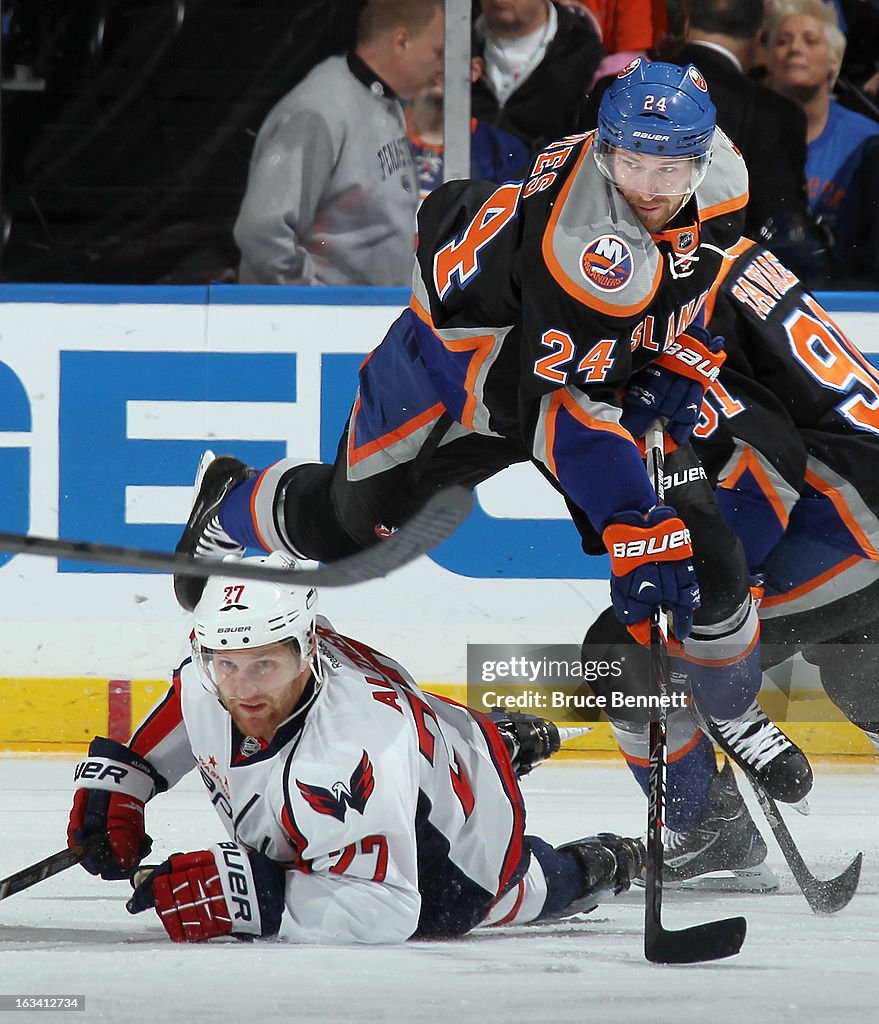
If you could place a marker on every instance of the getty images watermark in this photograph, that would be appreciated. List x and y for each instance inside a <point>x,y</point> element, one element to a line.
<point>562,682</point>
<point>570,684</point>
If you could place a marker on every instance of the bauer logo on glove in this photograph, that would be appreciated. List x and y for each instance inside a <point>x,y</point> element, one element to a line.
<point>651,562</point>
<point>225,890</point>
<point>672,387</point>
<point>667,543</point>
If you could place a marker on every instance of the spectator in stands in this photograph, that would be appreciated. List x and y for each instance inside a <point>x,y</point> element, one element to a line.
<point>540,57</point>
<point>804,53</point>
<point>721,39</point>
<point>495,155</point>
<point>627,29</point>
<point>331,195</point>
<point>859,21</point>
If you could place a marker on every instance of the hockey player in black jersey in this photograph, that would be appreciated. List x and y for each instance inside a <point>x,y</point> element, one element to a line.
<point>789,436</point>
<point>552,320</point>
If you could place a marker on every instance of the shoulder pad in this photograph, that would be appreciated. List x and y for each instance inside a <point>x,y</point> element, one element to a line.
<point>596,248</point>
<point>725,186</point>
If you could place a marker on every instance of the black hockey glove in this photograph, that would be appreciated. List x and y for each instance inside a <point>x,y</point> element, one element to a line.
<point>528,738</point>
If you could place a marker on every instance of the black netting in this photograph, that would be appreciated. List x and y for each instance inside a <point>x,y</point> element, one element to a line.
<point>128,126</point>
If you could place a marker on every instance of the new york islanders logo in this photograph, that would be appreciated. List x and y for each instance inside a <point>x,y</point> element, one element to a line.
<point>336,801</point>
<point>629,68</point>
<point>607,263</point>
<point>697,79</point>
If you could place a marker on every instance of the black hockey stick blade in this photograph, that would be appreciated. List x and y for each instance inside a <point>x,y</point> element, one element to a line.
<point>824,897</point>
<point>700,943</point>
<point>433,523</point>
<point>713,940</point>
<point>52,865</point>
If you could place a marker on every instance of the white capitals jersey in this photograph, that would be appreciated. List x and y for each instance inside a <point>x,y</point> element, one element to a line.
<point>396,812</point>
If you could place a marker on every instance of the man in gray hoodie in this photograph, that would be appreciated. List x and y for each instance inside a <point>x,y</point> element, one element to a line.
<point>332,193</point>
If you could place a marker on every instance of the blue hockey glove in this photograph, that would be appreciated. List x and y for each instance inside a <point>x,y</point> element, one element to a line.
<point>651,561</point>
<point>673,385</point>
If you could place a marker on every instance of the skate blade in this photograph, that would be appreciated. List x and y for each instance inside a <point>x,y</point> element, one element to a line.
<point>757,879</point>
<point>802,807</point>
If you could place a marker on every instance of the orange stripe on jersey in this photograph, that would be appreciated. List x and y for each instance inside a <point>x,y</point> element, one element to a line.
<point>576,291</point>
<point>562,399</point>
<point>253,519</point>
<point>733,252</point>
<point>749,463</point>
<point>844,512</point>
<point>813,584</point>
<point>480,345</point>
<point>421,312</point>
<point>358,452</point>
<point>679,650</point>
<point>728,206</point>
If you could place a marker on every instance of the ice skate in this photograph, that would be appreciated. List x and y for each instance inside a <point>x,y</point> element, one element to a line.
<point>758,746</point>
<point>725,850</point>
<point>609,863</point>
<point>203,535</point>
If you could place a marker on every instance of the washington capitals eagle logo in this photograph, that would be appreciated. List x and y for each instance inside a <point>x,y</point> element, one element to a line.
<point>337,801</point>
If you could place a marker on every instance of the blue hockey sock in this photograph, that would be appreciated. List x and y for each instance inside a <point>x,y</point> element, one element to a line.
<point>236,517</point>
<point>725,690</point>
<point>687,782</point>
<point>564,876</point>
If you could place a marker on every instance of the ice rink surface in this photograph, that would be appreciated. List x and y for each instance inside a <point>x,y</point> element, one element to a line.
<point>71,934</point>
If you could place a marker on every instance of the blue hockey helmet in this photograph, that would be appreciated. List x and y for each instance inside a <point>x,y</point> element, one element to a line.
<point>662,111</point>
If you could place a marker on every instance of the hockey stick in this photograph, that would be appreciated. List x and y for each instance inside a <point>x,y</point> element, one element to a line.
<point>824,897</point>
<point>436,520</point>
<point>52,865</point>
<point>714,939</point>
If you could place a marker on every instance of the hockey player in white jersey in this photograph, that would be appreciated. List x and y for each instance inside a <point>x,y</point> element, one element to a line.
<point>358,807</point>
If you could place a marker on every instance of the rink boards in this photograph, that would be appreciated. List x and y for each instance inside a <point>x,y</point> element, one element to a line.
<point>107,398</point>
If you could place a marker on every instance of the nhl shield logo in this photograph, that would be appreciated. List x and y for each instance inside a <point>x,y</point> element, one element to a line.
<point>607,263</point>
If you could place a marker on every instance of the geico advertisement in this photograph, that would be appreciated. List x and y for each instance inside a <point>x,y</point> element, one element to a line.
<point>109,396</point>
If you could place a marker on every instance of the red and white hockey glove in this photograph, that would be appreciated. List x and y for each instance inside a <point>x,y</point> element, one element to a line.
<point>225,890</point>
<point>112,786</point>
<point>651,561</point>
<point>673,385</point>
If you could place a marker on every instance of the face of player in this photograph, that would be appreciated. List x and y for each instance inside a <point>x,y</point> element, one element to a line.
<point>261,687</point>
<point>420,58</point>
<point>655,187</point>
<point>511,19</point>
<point>800,59</point>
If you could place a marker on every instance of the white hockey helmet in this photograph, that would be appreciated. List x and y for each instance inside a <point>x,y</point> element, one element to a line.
<point>239,615</point>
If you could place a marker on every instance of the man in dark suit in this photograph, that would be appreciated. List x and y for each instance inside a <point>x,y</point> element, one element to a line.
<point>721,39</point>
<point>540,57</point>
